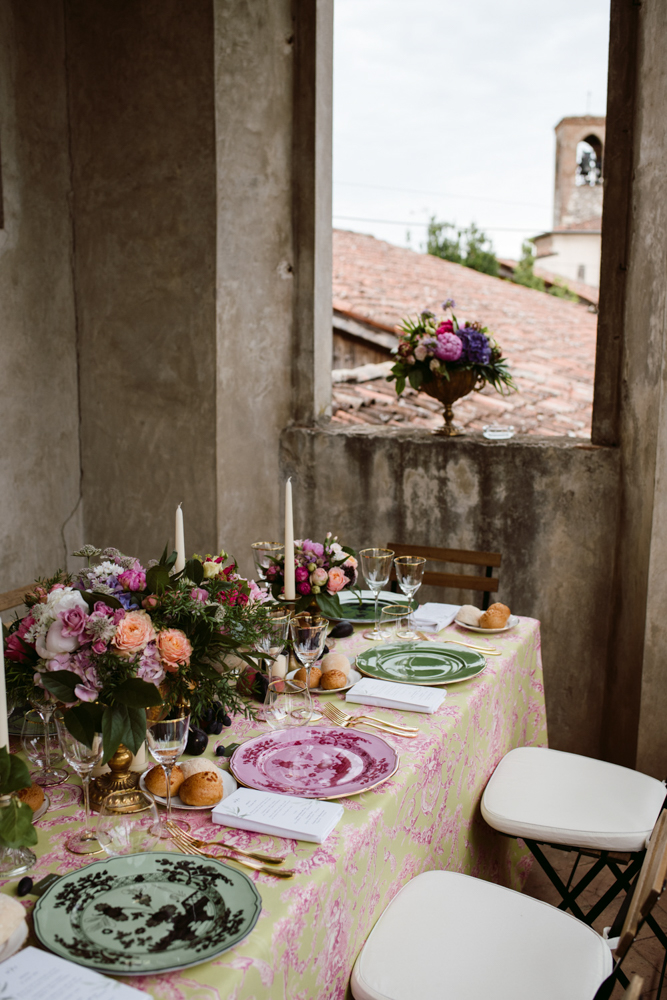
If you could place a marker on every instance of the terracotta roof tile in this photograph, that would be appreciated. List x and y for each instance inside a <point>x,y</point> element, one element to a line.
<point>549,342</point>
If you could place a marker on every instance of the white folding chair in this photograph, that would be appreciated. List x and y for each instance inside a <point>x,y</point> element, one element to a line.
<point>446,935</point>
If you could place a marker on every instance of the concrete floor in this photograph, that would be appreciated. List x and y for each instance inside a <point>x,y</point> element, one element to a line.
<point>646,956</point>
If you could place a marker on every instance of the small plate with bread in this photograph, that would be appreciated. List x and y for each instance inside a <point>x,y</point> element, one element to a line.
<point>497,618</point>
<point>199,781</point>
<point>330,674</point>
<point>350,681</point>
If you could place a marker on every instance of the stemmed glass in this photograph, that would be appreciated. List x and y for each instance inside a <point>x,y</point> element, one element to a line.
<point>34,735</point>
<point>376,567</point>
<point>82,759</point>
<point>273,639</point>
<point>410,573</point>
<point>166,739</point>
<point>49,775</point>
<point>265,554</point>
<point>309,634</point>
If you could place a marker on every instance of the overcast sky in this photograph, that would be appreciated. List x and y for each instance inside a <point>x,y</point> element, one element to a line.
<point>447,108</point>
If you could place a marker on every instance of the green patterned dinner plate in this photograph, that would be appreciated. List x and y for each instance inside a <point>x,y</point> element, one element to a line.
<point>422,663</point>
<point>147,913</point>
<point>353,611</point>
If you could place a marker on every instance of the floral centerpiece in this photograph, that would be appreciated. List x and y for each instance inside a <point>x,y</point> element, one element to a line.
<point>321,571</point>
<point>119,638</point>
<point>447,360</point>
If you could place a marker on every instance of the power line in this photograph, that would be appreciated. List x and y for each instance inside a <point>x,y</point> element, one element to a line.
<point>395,222</point>
<point>437,194</point>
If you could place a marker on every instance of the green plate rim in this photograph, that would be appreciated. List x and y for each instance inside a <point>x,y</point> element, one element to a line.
<point>400,599</point>
<point>114,970</point>
<point>422,645</point>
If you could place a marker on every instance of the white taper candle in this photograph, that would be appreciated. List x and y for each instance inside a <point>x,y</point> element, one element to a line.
<point>179,541</point>
<point>290,590</point>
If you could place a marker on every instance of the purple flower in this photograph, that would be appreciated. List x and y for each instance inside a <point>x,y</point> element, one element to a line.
<point>303,587</point>
<point>199,594</point>
<point>101,610</point>
<point>315,547</point>
<point>449,304</point>
<point>74,621</point>
<point>90,685</point>
<point>150,665</point>
<point>476,347</point>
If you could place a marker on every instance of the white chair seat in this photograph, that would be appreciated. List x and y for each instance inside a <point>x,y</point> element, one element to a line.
<point>446,935</point>
<point>562,798</point>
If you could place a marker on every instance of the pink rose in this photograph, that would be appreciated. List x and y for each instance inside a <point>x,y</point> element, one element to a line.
<point>14,649</point>
<point>199,594</point>
<point>74,621</point>
<point>149,602</point>
<point>25,624</point>
<point>337,580</point>
<point>134,632</point>
<point>175,648</point>
<point>319,577</point>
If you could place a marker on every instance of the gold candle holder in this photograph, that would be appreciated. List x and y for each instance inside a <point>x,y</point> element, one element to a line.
<point>119,779</point>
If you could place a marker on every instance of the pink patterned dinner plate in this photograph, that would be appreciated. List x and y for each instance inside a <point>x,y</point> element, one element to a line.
<point>314,763</point>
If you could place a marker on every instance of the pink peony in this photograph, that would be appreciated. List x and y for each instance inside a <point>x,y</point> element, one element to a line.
<point>446,327</point>
<point>199,594</point>
<point>300,574</point>
<point>134,632</point>
<point>175,648</point>
<point>337,580</point>
<point>304,587</point>
<point>134,578</point>
<point>315,547</point>
<point>450,347</point>
<point>319,577</point>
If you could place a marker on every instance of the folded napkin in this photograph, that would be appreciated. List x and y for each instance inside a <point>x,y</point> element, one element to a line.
<point>386,694</point>
<point>279,815</point>
<point>433,617</point>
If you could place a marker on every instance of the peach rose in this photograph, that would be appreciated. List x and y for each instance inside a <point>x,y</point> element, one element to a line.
<point>134,632</point>
<point>337,580</point>
<point>175,648</point>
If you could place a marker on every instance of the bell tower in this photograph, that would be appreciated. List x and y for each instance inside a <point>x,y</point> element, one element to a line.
<point>580,146</point>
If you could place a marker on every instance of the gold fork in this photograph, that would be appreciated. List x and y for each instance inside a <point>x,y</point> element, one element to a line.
<point>267,859</point>
<point>487,650</point>
<point>188,848</point>
<point>345,721</point>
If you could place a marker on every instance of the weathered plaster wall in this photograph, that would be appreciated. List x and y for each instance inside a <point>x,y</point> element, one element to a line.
<point>39,454</point>
<point>143,150</point>
<point>550,508</point>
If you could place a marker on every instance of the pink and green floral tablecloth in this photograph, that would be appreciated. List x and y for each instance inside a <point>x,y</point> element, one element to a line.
<point>425,817</point>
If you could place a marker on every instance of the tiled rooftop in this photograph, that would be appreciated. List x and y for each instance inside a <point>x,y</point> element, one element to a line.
<point>549,342</point>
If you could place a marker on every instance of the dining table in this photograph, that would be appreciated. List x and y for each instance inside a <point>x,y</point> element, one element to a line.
<point>425,817</point>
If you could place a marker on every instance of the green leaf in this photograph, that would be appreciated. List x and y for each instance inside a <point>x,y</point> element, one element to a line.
<point>5,768</point>
<point>400,385</point>
<point>194,571</point>
<point>163,557</point>
<point>114,725</point>
<point>171,560</point>
<point>16,829</point>
<point>61,683</point>
<point>137,693</point>
<point>83,721</point>
<point>330,605</point>
<point>416,378</point>
<point>14,773</point>
<point>157,579</point>
<point>229,750</point>
<point>92,598</point>
<point>135,729</point>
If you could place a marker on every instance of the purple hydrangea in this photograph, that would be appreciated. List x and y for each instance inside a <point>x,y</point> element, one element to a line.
<point>476,347</point>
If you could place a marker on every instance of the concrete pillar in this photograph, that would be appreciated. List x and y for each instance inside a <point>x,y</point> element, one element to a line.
<point>631,404</point>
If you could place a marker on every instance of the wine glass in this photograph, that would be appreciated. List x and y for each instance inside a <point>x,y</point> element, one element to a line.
<point>166,741</point>
<point>82,759</point>
<point>49,775</point>
<point>265,554</point>
<point>309,634</point>
<point>273,639</point>
<point>376,567</point>
<point>34,735</point>
<point>287,703</point>
<point>410,573</point>
<point>121,832</point>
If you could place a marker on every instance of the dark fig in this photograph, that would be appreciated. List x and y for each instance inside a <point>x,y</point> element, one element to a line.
<point>226,721</point>
<point>220,751</point>
<point>325,651</point>
<point>24,886</point>
<point>215,727</point>
<point>342,629</point>
<point>197,742</point>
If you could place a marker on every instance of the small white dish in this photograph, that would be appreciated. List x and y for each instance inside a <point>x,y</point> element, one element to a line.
<point>511,622</point>
<point>14,942</point>
<point>352,678</point>
<point>498,432</point>
<point>229,785</point>
<point>42,809</point>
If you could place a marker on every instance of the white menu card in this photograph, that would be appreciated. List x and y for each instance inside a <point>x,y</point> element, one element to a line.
<point>280,815</point>
<point>38,975</point>
<point>386,694</point>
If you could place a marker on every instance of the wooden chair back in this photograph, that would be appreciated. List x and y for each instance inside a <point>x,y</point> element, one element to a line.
<point>14,598</point>
<point>649,887</point>
<point>634,990</point>
<point>487,584</point>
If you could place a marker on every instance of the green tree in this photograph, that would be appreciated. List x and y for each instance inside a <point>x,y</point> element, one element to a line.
<point>470,247</point>
<point>523,272</point>
<point>561,291</point>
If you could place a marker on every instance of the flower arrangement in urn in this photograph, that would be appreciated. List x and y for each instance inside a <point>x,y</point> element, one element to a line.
<point>321,571</point>
<point>447,360</point>
<point>119,638</point>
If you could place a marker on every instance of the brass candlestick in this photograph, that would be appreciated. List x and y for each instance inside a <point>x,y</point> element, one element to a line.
<point>120,779</point>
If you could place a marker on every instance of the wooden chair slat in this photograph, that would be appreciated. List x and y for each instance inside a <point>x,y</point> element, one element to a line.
<point>634,990</point>
<point>461,581</point>
<point>649,885</point>
<point>467,558</point>
<point>13,598</point>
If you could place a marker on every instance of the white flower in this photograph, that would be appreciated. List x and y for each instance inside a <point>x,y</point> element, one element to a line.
<point>337,551</point>
<point>211,569</point>
<point>420,352</point>
<point>55,642</point>
<point>434,365</point>
<point>46,633</point>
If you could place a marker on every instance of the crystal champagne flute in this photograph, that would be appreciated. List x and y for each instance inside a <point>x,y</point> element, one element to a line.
<point>82,759</point>
<point>166,739</point>
<point>273,639</point>
<point>309,634</point>
<point>410,573</point>
<point>376,567</point>
<point>49,775</point>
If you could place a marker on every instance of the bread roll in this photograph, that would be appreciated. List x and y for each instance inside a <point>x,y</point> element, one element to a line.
<point>333,679</point>
<point>336,661</point>
<point>190,767</point>
<point>157,783</point>
<point>12,915</point>
<point>204,788</point>
<point>315,674</point>
<point>33,796</point>
<point>495,617</point>
<point>469,615</point>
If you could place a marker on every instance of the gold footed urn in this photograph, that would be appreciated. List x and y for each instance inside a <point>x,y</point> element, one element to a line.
<point>447,391</point>
<point>119,779</point>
